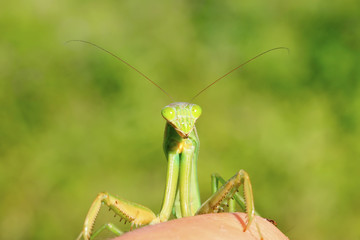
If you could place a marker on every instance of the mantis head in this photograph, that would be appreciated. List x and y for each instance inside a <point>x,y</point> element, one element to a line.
<point>182,116</point>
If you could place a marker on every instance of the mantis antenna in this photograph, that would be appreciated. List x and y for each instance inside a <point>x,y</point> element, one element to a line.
<point>118,58</point>
<point>204,89</point>
<point>146,77</point>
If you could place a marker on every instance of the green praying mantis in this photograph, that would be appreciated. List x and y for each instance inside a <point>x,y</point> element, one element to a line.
<point>182,196</point>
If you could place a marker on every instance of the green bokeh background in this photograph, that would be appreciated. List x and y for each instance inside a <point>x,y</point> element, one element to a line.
<point>74,121</point>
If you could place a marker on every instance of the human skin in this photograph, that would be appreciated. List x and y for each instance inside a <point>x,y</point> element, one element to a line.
<point>219,226</point>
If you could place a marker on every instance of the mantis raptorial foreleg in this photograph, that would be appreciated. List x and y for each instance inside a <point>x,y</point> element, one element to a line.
<point>134,213</point>
<point>227,191</point>
<point>227,194</point>
<point>215,180</point>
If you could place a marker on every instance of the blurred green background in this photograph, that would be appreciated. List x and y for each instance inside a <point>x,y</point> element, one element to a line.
<point>74,121</point>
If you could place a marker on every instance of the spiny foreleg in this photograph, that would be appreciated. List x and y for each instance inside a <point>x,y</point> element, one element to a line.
<point>134,213</point>
<point>227,192</point>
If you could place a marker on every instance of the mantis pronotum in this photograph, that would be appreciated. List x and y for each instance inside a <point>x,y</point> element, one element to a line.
<point>182,196</point>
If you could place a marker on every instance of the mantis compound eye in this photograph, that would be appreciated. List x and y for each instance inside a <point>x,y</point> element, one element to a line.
<point>168,113</point>
<point>196,111</point>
